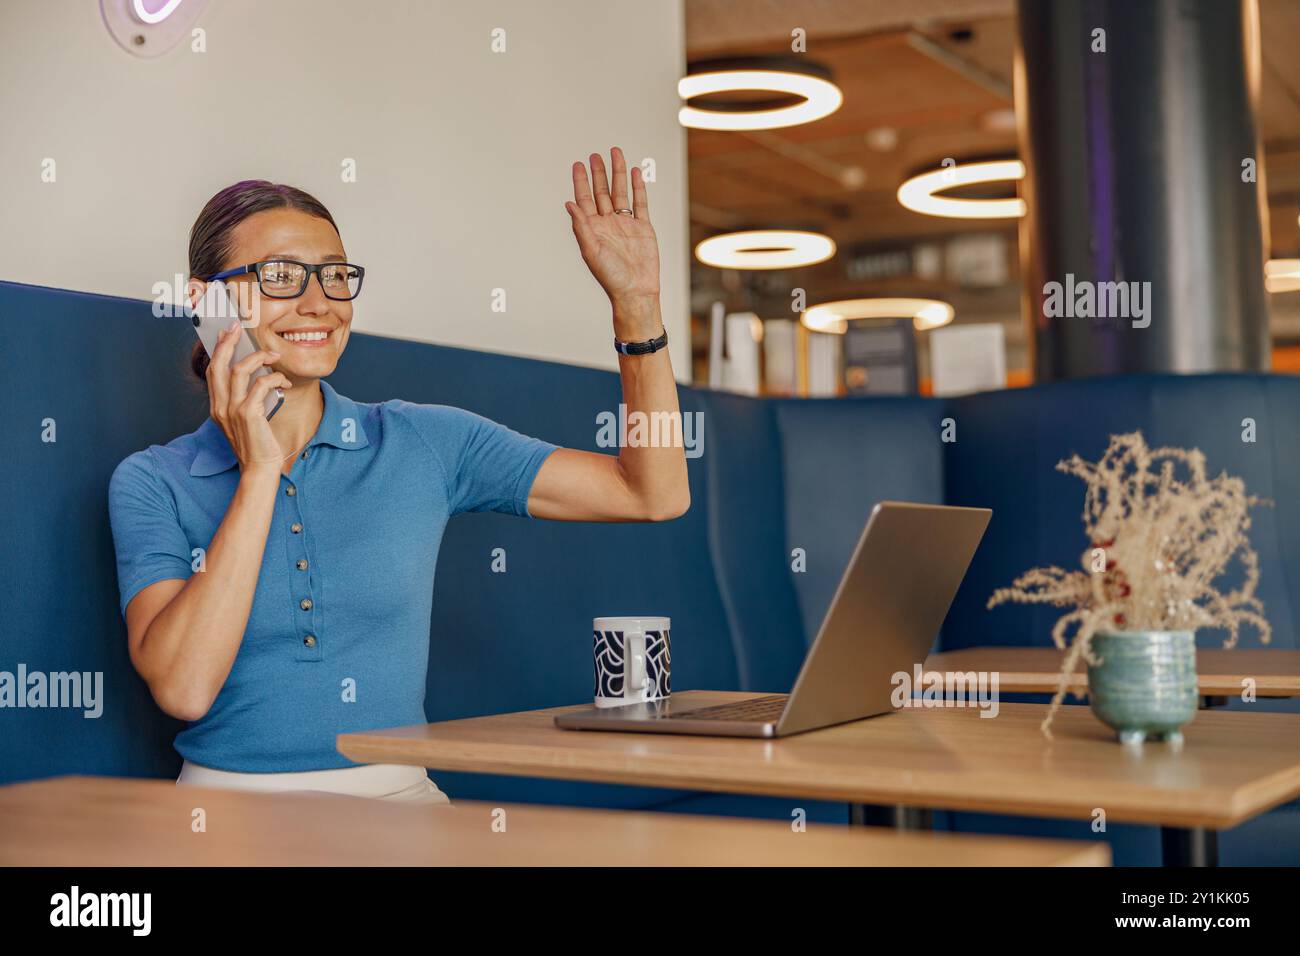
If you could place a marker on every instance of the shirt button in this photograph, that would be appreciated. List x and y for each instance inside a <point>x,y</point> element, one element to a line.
<point>305,604</point>
<point>296,528</point>
<point>302,564</point>
<point>291,491</point>
<point>310,640</point>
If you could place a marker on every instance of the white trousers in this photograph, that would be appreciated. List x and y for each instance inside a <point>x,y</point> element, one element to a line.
<point>398,783</point>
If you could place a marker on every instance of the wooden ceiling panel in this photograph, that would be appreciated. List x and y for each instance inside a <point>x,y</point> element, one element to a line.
<point>930,72</point>
<point>934,72</point>
<point>716,25</point>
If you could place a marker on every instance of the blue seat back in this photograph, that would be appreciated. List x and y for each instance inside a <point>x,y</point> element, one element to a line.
<point>1008,444</point>
<point>108,379</point>
<point>523,638</point>
<point>840,457</point>
<point>774,476</point>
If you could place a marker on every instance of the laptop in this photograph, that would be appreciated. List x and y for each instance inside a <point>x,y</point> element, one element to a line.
<point>888,607</point>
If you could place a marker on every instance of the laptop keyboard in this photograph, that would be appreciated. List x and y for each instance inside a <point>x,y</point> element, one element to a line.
<point>756,708</point>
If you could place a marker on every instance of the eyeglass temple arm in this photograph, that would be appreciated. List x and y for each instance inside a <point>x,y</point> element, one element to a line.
<point>233,272</point>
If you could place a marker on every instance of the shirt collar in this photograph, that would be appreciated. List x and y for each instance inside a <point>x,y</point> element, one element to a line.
<point>341,425</point>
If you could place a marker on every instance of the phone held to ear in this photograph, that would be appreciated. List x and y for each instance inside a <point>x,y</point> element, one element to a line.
<point>213,313</point>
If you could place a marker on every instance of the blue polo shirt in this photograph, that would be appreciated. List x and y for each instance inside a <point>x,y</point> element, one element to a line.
<point>338,636</point>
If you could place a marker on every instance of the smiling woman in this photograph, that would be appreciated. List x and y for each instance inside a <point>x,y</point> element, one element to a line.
<point>285,216</point>
<point>276,576</point>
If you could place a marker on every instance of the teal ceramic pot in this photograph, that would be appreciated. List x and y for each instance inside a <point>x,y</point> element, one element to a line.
<point>1144,683</point>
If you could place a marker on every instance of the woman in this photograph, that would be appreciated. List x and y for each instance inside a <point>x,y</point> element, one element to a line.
<point>276,577</point>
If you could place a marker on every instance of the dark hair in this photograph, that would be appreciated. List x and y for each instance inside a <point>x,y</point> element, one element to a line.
<point>211,240</point>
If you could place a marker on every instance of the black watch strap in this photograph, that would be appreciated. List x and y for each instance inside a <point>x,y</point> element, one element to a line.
<point>642,348</point>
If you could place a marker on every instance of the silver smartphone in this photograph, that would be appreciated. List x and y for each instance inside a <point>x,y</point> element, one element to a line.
<point>213,313</point>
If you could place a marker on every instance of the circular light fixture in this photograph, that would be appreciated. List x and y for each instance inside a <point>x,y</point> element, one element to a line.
<point>834,316</point>
<point>149,28</point>
<point>158,14</point>
<point>816,96</point>
<point>919,193</point>
<point>765,249</point>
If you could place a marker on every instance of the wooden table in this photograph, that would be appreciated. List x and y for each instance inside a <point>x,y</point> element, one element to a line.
<point>1233,766</point>
<point>114,821</point>
<point>1036,670</point>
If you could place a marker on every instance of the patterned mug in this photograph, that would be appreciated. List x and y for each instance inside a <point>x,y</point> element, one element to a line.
<point>632,660</point>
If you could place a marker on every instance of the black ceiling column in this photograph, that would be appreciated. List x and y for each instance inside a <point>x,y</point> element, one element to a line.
<point>1143,248</point>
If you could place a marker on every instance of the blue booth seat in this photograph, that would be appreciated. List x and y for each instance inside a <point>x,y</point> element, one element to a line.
<point>1007,447</point>
<point>779,497</point>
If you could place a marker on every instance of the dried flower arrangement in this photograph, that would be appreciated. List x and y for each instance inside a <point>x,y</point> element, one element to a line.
<point>1161,536</point>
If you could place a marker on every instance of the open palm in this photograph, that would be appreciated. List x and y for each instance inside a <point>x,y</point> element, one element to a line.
<point>621,250</point>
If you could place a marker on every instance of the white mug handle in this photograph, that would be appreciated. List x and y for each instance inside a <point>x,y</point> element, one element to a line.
<point>635,680</point>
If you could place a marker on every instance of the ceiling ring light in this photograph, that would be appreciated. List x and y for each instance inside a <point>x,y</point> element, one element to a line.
<point>834,317</point>
<point>785,77</point>
<point>920,193</point>
<point>765,249</point>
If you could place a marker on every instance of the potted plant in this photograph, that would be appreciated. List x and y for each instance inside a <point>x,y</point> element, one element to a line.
<point>1162,534</point>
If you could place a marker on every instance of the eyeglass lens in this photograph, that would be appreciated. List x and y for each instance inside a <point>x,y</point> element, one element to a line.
<point>283,279</point>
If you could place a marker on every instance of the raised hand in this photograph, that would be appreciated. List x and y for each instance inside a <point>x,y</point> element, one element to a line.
<point>620,249</point>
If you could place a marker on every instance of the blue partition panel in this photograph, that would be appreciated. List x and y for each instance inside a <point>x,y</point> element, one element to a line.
<point>1008,444</point>
<point>840,457</point>
<point>773,476</point>
<point>108,378</point>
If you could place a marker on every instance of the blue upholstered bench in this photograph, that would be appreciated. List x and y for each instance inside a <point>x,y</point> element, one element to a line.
<point>775,475</point>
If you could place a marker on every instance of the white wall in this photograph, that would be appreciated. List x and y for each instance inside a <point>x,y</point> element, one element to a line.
<point>462,154</point>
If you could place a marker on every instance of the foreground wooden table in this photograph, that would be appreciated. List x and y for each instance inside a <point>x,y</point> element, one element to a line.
<point>1220,673</point>
<point>113,821</point>
<point>1232,767</point>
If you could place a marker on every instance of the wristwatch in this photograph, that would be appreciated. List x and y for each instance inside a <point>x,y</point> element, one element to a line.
<point>642,348</point>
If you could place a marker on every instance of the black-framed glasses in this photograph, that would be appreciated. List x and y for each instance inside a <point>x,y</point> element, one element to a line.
<point>288,278</point>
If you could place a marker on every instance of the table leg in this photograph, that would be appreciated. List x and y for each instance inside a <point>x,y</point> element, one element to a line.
<point>1189,846</point>
<point>896,816</point>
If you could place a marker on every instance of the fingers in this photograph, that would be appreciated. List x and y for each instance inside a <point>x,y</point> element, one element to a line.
<point>241,370</point>
<point>587,242</point>
<point>604,205</point>
<point>601,197</point>
<point>218,374</point>
<point>640,201</point>
<point>254,404</point>
<point>582,191</point>
<point>619,171</point>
